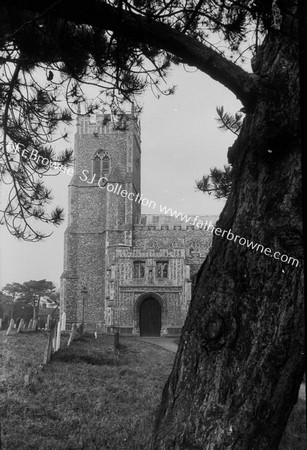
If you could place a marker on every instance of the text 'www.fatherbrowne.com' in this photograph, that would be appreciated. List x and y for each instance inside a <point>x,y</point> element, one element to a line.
<point>117,189</point>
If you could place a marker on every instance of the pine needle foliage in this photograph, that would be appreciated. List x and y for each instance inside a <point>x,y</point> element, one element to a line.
<point>218,182</point>
<point>229,122</point>
<point>53,53</point>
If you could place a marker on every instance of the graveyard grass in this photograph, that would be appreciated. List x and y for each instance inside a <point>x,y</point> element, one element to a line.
<point>87,398</point>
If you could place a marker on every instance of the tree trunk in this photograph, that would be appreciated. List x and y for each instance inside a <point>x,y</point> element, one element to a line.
<point>240,359</point>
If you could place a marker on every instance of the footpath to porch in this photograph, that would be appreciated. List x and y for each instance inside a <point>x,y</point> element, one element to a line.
<point>170,345</point>
<point>166,343</point>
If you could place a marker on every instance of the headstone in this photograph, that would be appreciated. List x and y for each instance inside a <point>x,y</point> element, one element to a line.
<point>30,325</point>
<point>58,336</point>
<point>10,329</point>
<point>63,321</point>
<point>21,326</point>
<point>1,323</point>
<point>80,329</point>
<point>34,325</point>
<point>31,376</point>
<point>54,331</point>
<point>48,324</point>
<point>72,334</point>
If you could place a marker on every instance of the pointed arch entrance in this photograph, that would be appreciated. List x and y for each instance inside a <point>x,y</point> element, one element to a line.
<point>150,315</point>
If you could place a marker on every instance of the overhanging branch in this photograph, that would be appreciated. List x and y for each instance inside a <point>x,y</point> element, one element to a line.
<point>143,30</point>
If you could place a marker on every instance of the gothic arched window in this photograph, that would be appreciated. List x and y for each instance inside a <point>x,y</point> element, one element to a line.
<point>105,164</point>
<point>97,166</point>
<point>101,163</point>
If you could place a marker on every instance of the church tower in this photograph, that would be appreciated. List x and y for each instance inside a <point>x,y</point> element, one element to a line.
<point>101,212</point>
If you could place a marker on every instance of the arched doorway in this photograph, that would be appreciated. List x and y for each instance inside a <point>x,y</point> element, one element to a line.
<point>150,317</point>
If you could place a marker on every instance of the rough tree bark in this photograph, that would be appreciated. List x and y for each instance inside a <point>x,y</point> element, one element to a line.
<point>240,358</point>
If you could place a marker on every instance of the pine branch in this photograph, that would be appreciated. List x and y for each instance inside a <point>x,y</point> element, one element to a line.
<point>140,29</point>
<point>218,182</point>
<point>228,121</point>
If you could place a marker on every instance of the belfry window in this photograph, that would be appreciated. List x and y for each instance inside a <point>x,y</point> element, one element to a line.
<point>96,166</point>
<point>162,269</point>
<point>101,163</point>
<point>105,164</point>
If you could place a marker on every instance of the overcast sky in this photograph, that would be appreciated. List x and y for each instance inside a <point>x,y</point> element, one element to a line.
<point>180,143</point>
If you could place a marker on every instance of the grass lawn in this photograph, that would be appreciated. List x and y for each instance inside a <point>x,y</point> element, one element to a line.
<point>87,398</point>
<point>18,354</point>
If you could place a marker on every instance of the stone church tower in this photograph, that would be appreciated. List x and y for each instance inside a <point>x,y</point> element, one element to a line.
<point>122,268</point>
<point>107,157</point>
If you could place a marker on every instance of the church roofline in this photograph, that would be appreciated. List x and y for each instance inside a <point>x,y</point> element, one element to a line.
<point>160,220</point>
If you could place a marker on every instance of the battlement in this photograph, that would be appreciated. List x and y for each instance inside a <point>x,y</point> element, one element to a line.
<point>101,123</point>
<point>162,222</point>
<point>166,227</point>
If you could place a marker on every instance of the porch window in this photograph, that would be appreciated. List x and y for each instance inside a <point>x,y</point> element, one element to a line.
<point>138,269</point>
<point>162,269</point>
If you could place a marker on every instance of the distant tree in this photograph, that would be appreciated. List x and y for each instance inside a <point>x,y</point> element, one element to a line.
<point>55,297</point>
<point>22,310</point>
<point>30,292</point>
<point>6,305</point>
<point>12,291</point>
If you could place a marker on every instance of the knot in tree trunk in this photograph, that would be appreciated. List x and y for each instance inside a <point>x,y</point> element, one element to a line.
<point>217,330</point>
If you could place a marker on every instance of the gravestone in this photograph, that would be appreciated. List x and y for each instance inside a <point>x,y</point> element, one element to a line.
<point>11,327</point>
<point>30,325</point>
<point>1,323</point>
<point>34,325</point>
<point>63,321</point>
<point>72,334</point>
<point>58,336</point>
<point>48,324</point>
<point>20,328</point>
